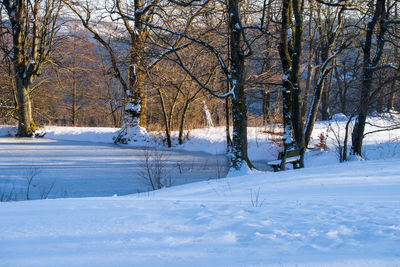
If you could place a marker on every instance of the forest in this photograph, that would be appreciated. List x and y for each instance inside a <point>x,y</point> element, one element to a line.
<point>166,65</point>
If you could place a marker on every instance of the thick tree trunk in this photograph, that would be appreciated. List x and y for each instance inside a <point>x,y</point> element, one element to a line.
<point>368,70</point>
<point>239,138</point>
<point>227,127</point>
<point>136,92</point>
<point>359,126</point>
<point>298,123</point>
<point>393,88</point>
<point>239,109</point>
<point>26,126</point>
<point>287,103</point>
<point>135,107</point>
<point>23,73</point>
<point>140,87</point>
<point>290,49</point>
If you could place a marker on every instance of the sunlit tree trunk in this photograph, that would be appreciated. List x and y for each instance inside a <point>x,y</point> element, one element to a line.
<point>290,48</point>
<point>33,26</point>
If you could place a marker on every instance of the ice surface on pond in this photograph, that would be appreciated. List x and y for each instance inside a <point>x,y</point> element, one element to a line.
<point>82,169</point>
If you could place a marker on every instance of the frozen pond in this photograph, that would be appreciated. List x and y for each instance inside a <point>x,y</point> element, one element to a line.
<point>82,169</point>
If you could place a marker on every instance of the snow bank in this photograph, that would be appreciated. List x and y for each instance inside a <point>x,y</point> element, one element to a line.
<point>337,215</point>
<point>87,134</point>
<point>8,130</point>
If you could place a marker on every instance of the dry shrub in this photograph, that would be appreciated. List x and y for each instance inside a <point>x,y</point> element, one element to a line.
<point>321,145</point>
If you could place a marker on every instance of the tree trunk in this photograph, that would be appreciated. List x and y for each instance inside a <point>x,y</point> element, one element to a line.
<point>135,107</point>
<point>74,98</point>
<point>183,118</point>
<point>298,123</point>
<point>239,108</point>
<point>393,88</point>
<point>166,119</point>
<point>308,87</point>
<point>368,65</point>
<point>136,94</point>
<point>359,126</point>
<point>227,130</point>
<point>310,68</point>
<point>239,138</point>
<point>312,116</point>
<point>26,126</point>
<point>290,49</point>
<point>140,87</point>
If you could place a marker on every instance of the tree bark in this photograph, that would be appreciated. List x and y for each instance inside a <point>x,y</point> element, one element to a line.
<point>290,49</point>
<point>32,32</point>
<point>239,108</point>
<point>368,70</point>
<point>26,126</point>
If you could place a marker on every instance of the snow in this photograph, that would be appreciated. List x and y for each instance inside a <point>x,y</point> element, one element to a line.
<point>89,134</point>
<point>327,214</point>
<point>83,169</point>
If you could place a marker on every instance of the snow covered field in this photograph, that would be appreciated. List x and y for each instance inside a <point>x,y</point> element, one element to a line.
<point>328,214</point>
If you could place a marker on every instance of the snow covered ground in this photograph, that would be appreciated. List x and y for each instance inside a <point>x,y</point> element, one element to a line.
<point>328,214</point>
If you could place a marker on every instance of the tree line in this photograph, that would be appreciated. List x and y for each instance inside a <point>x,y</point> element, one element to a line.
<point>163,64</point>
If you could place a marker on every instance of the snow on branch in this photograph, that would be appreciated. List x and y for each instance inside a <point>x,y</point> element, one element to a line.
<point>7,107</point>
<point>337,3</point>
<point>184,3</point>
<point>145,7</point>
<point>167,51</point>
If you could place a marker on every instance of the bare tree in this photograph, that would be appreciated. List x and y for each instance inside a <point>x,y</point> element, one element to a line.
<point>373,49</point>
<point>135,19</point>
<point>329,35</point>
<point>233,69</point>
<point>32,25</point>
<point>290,51</point>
